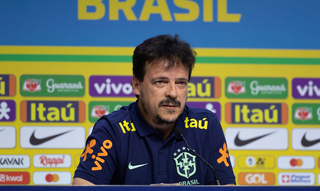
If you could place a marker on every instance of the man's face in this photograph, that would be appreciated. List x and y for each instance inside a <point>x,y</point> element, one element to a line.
<point>163,92</point>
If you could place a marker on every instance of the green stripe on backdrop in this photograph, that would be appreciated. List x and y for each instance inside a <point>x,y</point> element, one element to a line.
<point>200,59</point>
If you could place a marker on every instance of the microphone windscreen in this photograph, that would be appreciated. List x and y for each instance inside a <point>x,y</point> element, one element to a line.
<point>178,131</point>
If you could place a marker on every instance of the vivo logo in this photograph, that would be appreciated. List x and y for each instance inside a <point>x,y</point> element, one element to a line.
<point>306,88</point>
<point>110,86</point>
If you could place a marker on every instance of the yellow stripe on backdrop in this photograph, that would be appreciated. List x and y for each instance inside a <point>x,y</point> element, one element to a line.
<point>220,70</point>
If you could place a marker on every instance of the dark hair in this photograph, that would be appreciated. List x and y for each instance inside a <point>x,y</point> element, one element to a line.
<point>171,48</point>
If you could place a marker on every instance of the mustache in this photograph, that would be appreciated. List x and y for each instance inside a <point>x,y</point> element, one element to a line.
<point>170,101</point>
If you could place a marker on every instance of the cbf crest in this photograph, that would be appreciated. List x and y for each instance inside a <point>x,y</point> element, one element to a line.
<point>185,162</point>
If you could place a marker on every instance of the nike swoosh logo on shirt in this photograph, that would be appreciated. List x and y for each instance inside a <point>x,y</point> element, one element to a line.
<point>308,143</point>
<point>131,167</point>
<point>36,141</point>
<point>240,142</point>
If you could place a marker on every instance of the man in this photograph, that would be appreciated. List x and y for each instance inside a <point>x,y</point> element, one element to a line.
<point>136,145</point>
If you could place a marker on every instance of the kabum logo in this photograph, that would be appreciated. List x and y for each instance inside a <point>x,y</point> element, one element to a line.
<point>185,163</point>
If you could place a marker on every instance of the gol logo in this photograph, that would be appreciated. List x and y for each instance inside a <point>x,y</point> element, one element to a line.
<point>52,178</point>
<point>296,162</point>
<point>256,178</point>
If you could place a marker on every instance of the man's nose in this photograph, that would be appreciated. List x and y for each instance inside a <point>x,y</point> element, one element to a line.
<point>171,90</point>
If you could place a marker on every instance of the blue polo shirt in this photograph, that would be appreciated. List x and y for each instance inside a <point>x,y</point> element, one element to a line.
<point>124,149</point>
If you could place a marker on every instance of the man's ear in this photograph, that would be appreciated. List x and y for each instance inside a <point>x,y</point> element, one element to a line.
<point>135,85</point>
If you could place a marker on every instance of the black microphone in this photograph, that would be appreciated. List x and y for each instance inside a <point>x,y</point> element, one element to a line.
<point>178,131</point>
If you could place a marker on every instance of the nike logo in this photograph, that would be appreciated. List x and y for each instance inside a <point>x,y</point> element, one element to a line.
<point>131,167</point>
<point>36,141</point>
<point>240,142</point>
<point>307,143</point>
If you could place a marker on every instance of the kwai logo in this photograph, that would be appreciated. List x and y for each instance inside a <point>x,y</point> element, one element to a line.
<point>306,113</point>
<point>14,178</point>
<point>7,110</point>
<point>257,113</point>
<point>306,88</point>
<point>7,85</point>
<point>238,87</point>
<point>31,85</point>
<point>53,85</point>
<point>204,87</point>
<point>100,108</point>
<point>52,111</point>
<point>110,86</point>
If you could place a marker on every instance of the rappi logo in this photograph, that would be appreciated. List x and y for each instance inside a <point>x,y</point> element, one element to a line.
<point>32,85</point>
<point>99,110</point>
<point>236,87</point>
<point>47,161</point>
<point>303,113</point>
<point>257,113</point>
<point>52,111</point>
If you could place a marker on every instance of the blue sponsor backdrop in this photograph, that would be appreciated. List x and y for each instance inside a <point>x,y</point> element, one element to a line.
<point>285,24</point>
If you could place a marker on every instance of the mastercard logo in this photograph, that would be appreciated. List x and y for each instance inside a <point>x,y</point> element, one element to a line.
<point>296,162</point>
<point>52,178</point>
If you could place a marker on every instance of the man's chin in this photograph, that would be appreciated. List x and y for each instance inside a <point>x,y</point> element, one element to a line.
<point>165,120</point>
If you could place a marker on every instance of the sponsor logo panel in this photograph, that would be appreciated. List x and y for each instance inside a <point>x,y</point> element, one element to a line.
<point>204,87</point>
<point>211,106</point>
<point>296,162</point>
<point>7,110</point>
<point>240,87</point>
<point>52,137</point>
<point>52,85</point>
<point>306,138</point>
<point>52,161</point>
<point>304,113</point>
<point>99,108</point>
<point>14,178</point>
<point>256,113</point>
<point>302,178</point>
<point>110,86</point>
<point>257,138</point>
<point>14,161</point>
<point>7,85</point>
<point>52,111</point>
<point>7,137</point>
<point>306,88</point>
<point>51,177</point>
<point>319,179</point>
<point>258,161</point>
<point>256,178</point>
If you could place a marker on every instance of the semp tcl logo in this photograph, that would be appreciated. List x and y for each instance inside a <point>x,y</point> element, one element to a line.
<point>14,178</point>
<point>52,161</point>
<point>302,178</point>
<point>256,178</point>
